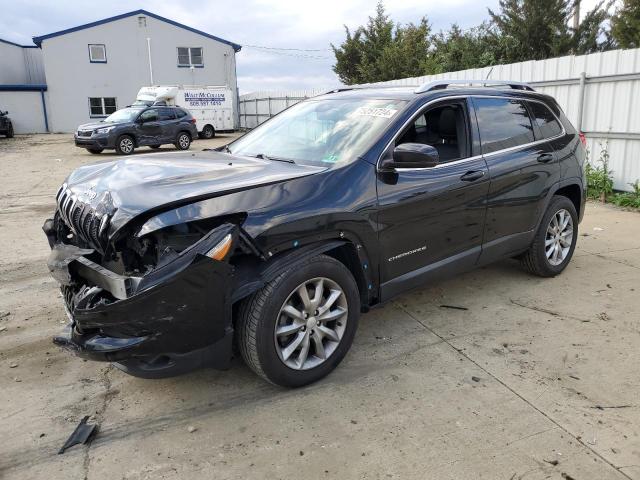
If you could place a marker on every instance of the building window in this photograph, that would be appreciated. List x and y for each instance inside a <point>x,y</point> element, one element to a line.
<point>102,106</point>
<point>97,53</point>
<point>190,56</point>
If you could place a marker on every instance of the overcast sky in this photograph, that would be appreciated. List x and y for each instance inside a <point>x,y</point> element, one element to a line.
<point>298,24</point>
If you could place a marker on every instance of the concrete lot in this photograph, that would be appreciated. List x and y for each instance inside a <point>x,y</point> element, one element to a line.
<point>537,379</point>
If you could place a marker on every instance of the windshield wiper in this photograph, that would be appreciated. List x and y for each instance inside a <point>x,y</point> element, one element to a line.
<point>262,156</point>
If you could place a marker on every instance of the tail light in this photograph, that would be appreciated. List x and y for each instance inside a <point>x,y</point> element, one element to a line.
<point>583,139</point>
<point>193,120</point>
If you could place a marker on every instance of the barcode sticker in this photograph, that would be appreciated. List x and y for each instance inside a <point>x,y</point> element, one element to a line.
<point>375,112</point>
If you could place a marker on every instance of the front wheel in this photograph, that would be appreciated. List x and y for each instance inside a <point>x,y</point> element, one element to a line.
<point>555,240</point>
<point>125,145</point>
<point>298,327</point>
<point>10,131</point>
<point>183,141</point>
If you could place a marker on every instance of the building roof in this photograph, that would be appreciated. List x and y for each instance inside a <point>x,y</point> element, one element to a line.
<point>38,40</point>
<point>9,42</point>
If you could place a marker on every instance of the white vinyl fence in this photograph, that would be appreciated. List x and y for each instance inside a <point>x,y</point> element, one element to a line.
<point>600,93</point>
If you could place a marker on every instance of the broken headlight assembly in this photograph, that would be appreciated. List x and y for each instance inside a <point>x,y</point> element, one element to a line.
<point>216,245</point>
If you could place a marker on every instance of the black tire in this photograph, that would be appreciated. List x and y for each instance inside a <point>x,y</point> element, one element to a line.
<point>535,259</point>
<point>183,141</point>
<point>95,151</point>
<point>258,314</point>
<point>10,132</point>
<point>125,145</point>
<point>207,132</point>
<point>155,147</point>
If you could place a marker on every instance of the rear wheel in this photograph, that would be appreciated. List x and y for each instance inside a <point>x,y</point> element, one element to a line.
<point>94,151</point>
<point>125,145</point>
<point>10,132</point>
<point>183,141</point>
<point>555,240</point>
<point>207,132</point>
<point>298,327</point>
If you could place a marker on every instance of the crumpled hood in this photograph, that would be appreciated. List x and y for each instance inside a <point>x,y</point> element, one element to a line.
<point>140,184</point>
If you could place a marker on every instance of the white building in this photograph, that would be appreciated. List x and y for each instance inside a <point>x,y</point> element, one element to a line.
<point>93,69</point>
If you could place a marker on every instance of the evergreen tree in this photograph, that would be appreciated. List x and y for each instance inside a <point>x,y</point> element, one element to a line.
<point>382,50</point>
<point>625,25</point>
<point>521,30</point>
<point>533,29</point>
<point>459,50</point>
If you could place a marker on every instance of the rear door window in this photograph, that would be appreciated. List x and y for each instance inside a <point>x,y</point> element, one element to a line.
<point>546,121</point>
<point>503,123</point>
<point>166,114</point>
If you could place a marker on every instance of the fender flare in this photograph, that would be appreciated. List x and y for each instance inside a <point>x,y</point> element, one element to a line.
<point>251,278</point>
<point>565,182</point>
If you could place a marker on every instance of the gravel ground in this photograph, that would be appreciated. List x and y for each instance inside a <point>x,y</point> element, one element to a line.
<point>537,379</point>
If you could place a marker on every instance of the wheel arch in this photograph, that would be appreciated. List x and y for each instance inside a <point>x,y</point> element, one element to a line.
<point>570,188</point>
<point>573,192</point>
<point>251,276</point>
<point>185,131</point>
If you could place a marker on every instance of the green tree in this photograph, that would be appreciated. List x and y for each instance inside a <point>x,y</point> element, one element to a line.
<point>592,35</point>
<point>533,29</point>
<point>625,25</point>
<point>382,50</point>
<point>459,50</point>
<point>348,58</point>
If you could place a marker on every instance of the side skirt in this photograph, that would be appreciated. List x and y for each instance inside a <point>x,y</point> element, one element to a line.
<point>505,247</point>
<point>498,249</point>
<point>447,267</point>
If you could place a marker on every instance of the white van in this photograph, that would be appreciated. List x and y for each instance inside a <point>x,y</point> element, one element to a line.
<point>211,106</point>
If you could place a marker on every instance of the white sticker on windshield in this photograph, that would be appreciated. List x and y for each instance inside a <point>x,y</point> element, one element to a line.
<point>375,112</point>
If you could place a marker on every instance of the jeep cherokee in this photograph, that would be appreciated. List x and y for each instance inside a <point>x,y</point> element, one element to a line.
<point>279,240</point>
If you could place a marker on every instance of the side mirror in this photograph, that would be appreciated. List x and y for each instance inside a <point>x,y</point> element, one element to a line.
<point>412,155</point>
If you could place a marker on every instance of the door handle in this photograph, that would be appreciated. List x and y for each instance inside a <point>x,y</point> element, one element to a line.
<point>472,176</point>
<point>545,158</point>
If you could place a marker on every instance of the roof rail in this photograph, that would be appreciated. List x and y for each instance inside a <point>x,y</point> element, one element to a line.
<point>442,84</point>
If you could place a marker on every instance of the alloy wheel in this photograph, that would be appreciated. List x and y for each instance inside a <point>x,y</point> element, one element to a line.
<point>559,237</point>
<point>311,323</point>
<point>126,145</point>
<point>183,140</point>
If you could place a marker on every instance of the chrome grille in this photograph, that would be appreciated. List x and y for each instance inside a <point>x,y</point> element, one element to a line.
<point>82,219</point>
<point>85,133</point>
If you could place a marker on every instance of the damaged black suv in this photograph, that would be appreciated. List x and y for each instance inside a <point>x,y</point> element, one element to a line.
<point>282,238</point>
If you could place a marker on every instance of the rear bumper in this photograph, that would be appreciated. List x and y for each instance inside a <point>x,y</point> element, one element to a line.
<point>175,319</point>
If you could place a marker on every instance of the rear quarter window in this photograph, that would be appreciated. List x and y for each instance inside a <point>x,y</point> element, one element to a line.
<point>180,113</point>
<point>545,119</point>
<point>503,123</point>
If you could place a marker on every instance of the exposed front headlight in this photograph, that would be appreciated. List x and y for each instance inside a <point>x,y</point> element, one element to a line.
<point>104,130</point>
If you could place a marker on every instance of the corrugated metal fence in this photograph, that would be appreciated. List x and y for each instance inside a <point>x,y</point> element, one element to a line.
<point>600,93</point>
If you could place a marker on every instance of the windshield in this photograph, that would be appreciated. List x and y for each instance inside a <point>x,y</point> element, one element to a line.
<point>322,132</point>
<point>124,115</point>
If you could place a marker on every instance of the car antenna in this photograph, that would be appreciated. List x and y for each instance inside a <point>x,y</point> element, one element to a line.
<point>489,74</point>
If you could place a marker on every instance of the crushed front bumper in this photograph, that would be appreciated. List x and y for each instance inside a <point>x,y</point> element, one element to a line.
<point>176,318</point>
